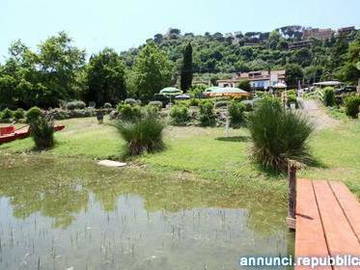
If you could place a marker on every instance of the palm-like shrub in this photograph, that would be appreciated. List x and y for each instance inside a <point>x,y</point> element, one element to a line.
<point>179,115</point>
<point>142,135</point>
<point>278,135</point>
<point>42,132</point>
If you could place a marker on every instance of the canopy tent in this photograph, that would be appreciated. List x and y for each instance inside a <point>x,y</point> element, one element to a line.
<point>225,92</point>
<point>328,83</point>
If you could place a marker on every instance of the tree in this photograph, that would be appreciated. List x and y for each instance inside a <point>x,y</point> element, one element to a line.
<point>186,70</point>
<point>106,78</point>
<point>152,71</point>
<point>245,85</point>
<point>294,73</point>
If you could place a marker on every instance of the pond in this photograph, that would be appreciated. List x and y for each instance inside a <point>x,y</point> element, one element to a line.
<point>71,214</point>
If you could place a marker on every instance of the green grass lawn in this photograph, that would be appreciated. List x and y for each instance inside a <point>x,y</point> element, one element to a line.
<point>211,154</point>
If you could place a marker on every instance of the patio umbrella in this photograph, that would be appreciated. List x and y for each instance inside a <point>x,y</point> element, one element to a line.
<point>225,92</point>
<point>183,96</point>
<point>171,91</point>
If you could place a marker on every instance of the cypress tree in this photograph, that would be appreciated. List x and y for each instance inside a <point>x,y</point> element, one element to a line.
<point>186,70</point>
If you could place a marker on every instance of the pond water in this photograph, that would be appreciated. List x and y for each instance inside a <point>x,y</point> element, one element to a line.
<point>59,215</point>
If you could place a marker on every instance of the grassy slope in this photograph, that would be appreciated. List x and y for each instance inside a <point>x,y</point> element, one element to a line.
<point>207,153</point>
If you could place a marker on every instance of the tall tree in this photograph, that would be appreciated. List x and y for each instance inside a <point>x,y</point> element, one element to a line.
<point>106,78</point>
<point>187,68</point>
<point>294,73</point>
<point>151,73</point>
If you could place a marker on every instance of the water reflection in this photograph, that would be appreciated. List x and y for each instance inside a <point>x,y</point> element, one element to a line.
<point>63,214</point>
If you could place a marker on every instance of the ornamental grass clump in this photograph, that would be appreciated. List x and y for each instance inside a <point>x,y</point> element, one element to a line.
<point>278,135</point>
<point>42,132</point>
<point>144,134</point>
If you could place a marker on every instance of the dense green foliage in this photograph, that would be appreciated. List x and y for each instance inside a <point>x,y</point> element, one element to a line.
<point>6,114</point>
<point>106,78</point>
<point>142,135</point>
<point>57,71</point>
<point>129,112</point>
<point>207,114</point>
<point>32,114</point>
<point>278,135</point>
<point>76,104</point>
<point>19,114</point>
<point>151,72</point>
<point>179,114</point>
<point>237,113</point>
<point>186,69</point>
<point>352,106</point>
<point>216,53</point>
<point>42,132</point>
<point>329,97</point>
<point>41,78</point>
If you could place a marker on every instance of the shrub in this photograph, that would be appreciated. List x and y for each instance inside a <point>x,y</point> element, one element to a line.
<point>156,103</point>
<point>76,104</point>
<point>7,114</point>
<point>142,135</point>
<point>352,104</point>
<point>207,115</point>
<point>194,102</point>
<point>130,101</point>
<point>107,105</point>
<point>42,132</point>
<point>179,115</point>
<point>197,90</point>
<point>33,114</point>
<point>278,135</point>
<point>237,113</point>
<point>328,97</point>
<point>221,103</point>
<point>19,114</point>
<point>129,112</point>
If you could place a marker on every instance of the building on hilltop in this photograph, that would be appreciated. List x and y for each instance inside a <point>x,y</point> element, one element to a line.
<point>317,33</point>
<point>262,79</point>
<point>345,30</point>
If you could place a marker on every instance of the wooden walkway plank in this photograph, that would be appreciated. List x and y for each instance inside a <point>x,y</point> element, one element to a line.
<point>310,239</point>
<point>340,238</point>
<point>349,204</point>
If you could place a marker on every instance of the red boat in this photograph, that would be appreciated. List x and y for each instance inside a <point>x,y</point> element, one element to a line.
<point>9,133</point>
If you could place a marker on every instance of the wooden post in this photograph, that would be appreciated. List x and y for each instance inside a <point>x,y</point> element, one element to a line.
<point>291,219</point>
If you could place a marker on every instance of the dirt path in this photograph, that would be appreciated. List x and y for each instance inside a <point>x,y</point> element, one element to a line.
<point>317,114</point>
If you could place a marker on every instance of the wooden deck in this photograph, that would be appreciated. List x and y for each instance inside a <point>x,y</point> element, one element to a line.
<point>327,221</point>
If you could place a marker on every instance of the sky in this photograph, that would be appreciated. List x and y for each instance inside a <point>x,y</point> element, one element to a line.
<point>123,24</point>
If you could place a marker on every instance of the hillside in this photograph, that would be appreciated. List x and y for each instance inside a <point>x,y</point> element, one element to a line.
<point>320,52</point>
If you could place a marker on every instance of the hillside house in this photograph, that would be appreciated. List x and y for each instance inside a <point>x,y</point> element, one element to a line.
<point>262,79</point>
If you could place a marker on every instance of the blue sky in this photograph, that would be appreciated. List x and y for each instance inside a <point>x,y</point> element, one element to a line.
<point>121,24</point>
